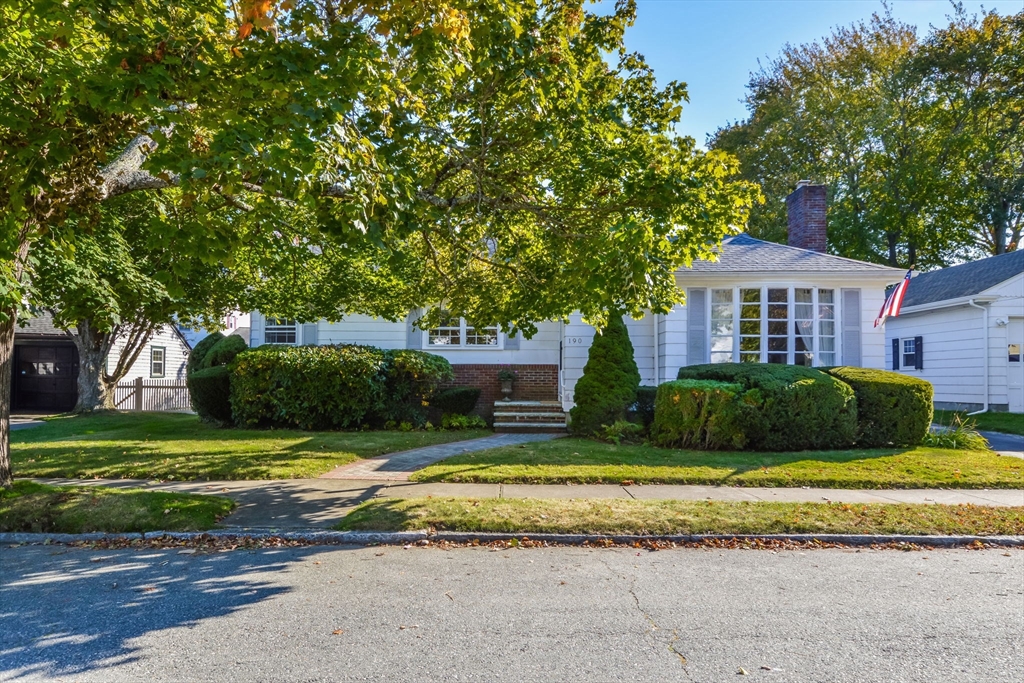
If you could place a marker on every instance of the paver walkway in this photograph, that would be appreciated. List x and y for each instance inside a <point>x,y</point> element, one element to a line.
<point>301,503</point>
<point>398,466</point>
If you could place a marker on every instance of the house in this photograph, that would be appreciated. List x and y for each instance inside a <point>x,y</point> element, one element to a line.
<point>759,302</point>
<point>962,329</point>
<point>234,322</point>
<point>45,371</point>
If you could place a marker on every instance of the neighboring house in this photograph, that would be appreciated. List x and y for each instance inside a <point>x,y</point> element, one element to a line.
<point>235,322</point>
<point>45,372</point>
<point>962,329</point>
<point>759,302</point>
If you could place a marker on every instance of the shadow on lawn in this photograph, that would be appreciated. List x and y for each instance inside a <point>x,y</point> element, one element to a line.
<point>70,611</point>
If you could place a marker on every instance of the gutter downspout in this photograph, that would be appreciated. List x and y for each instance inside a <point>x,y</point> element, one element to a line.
<point>657,350</point>
<point>984,312</point>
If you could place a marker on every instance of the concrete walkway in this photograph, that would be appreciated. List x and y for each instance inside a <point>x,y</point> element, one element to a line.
<point>303,503</point>
<point>398,466</point>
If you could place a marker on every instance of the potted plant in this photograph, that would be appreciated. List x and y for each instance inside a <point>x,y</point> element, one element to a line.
<point>506,375</point>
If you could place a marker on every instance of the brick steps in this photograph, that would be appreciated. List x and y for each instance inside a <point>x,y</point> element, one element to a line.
<point>526,417</point>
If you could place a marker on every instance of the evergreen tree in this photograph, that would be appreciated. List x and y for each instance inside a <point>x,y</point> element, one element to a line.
<point>609,382</point>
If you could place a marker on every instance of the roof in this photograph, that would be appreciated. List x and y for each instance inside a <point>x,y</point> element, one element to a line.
<point>966,279</point>
<point>39,325</point>
<point>742,254</point>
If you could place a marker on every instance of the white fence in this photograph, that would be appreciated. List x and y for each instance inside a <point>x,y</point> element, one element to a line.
<point>152,394</point>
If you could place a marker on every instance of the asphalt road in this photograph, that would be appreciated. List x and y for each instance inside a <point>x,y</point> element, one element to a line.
<point>565,614</point>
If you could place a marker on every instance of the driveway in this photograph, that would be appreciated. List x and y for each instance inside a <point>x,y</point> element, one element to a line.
<point>1007,444</point>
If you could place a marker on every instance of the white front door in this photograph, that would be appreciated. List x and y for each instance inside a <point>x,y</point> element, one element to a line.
<point>1015,364</point>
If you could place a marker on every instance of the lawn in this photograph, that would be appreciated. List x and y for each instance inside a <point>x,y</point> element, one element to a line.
<point>179,447</point>
<point>678,517</point>
<point>1010,423</point>
<point>581,461</point>
<point>33,507</point>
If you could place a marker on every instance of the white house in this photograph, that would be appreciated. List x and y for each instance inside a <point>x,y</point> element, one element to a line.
<point>759,302</point>
<point>962,329</point>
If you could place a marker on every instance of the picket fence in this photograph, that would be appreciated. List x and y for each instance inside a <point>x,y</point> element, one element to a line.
<point>152,394</point>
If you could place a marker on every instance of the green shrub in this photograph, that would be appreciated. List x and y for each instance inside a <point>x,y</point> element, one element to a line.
<point>457,422</point>
<point>959,434</point>
<point>197,354</point>
<point>310,387</point>
<point>224,351</point>
<point>642,411</point>
<point>411,378</point>
<point>456,400</point>
<point>892,409</point>
<point>620,432</point>
<point>610,379</point>
<point>209,391</point>
<point>706,414</point>
<point>797,408</point>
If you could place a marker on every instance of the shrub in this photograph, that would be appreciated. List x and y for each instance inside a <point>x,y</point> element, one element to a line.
<point>959,434</point>
<point>642,411</point>
<point>457,422</point>
<point>797,408</point>
<point>412,377</point>
<point>209,391</point>
<point>705,414</point>
<point>310,387</point>
<point>609,382</point>
<point>197,354</point>
<point>456,400</point>
<point>224,351</point>
<point>892,409</point>
<point>622,431</point>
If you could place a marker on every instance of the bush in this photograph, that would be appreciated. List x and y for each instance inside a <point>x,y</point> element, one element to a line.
<point>705,414</point>
<point>892,409</point>
<point>959,434</point>
<point>310,387</point>
<point>209,391</point>
<point>456,400</point>
<point>642,411</point>
<point>224,351</point>
<point>411,378</point>
<point>197,354</point>
<point>609,382</point>
<point>797,408</point>
<point>457,422</point>
<point>620,432</point>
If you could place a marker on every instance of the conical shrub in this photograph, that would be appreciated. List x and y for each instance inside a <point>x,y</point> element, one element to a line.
<point>609,382</point>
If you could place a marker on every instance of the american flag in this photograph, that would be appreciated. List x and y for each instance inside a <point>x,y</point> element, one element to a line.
<point>892,304</point>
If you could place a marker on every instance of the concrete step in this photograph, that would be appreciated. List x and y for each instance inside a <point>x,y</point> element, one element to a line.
<point>519,416</point>
<point>528,406</point>
<point>529,427</point>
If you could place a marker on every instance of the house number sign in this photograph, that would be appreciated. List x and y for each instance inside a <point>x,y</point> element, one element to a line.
<point>575,341</point>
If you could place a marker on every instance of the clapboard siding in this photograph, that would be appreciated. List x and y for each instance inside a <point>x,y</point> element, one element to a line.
<point>175,352</point>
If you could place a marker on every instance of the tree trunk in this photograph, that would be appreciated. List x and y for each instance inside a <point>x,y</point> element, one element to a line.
<point>6,362</point>
<point>893,240</point>
<point>94,391</point>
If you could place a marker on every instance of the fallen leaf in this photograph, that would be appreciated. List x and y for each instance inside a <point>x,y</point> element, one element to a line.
<point>337,632</point>
<point>741,672</point>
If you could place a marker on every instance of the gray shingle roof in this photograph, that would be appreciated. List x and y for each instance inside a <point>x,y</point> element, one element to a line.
<point>39,325</point>
<point>742,253</point>
<point>963,280</point>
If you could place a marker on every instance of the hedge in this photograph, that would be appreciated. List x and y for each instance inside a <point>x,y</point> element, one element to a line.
<point>198,353</point>
<point>224,351</point>
<point>209,391</point>
<point>456,400</point>
<point>892,409</point>
<point>701,413</point>
<point>412,377</point>
<point>610,379</point>
<point>798,408</point>
<point>643,410</point>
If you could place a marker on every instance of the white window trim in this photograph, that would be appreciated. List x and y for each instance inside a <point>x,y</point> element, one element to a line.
<point>462,346</point>
<point>904,365</point>
<point>269,327</point>
<point>791,334</point>
<point>163,362</point>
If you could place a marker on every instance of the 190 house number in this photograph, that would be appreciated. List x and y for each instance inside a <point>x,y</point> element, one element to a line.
<point>575,340</point>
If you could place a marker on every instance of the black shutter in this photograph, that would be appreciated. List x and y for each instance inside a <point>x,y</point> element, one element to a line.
<point>895,354</point>
<point>919,353</point>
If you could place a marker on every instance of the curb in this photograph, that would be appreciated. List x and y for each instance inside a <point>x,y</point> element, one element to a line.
<point>322,537</point>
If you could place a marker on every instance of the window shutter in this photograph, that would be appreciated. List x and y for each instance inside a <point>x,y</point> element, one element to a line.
<point>256,332</point>
<point>309,334</point>
<point>696,325</point>
<point>512,341</point>
<point>919,353</point>
<point>896,354</point>
<point>413,334</point>
<point>851,327</point>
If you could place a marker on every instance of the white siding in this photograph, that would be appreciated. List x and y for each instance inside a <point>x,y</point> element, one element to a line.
<point>672,342</point>
<point>175,356</point>
<point>363,329</point>
<point>578,338</point>
<point>542,349</point>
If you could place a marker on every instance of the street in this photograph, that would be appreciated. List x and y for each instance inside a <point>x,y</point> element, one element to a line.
<point>555,614</point>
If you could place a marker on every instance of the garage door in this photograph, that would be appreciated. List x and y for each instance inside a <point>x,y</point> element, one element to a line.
<point>45,378</point>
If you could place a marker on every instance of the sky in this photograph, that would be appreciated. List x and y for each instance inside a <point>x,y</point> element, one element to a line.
<point>714,45</point>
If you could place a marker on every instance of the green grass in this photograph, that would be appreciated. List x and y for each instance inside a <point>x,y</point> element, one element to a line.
<point>1010,423</point>
<point>581,461</point>
<point>33,507</point>
<point>617,516</point>
<point>179,447</point>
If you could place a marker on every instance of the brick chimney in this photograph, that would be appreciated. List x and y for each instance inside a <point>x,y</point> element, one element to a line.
<point>806,207</point>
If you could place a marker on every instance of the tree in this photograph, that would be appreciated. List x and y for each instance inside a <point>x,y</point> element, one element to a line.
<point>492,147</point>
<point>609,382</point>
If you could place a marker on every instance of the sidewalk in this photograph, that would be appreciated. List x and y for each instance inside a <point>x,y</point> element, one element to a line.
<point>305,503</point>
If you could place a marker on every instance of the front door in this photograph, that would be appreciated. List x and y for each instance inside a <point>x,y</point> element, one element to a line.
<point>45,378</point>
<point>1015,364</point>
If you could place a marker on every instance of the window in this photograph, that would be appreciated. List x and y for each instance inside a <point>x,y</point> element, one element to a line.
<point>157,355</point>
<point>1013,353</point>
<point>909,353</point>
<point>774,325</point>
<point>455,333</point>
<point>279,331</point>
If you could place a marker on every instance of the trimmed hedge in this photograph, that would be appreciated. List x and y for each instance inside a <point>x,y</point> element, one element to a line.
<point>892,409</point>
<point>412,377</point>
<point>610,379</point>
<point>209,391</point>
<point>224,351</point>
<point>797,408</point>
<point>643,410</point>
<point>198,354</point>
<point>702,413</point>
<point>456,400</point>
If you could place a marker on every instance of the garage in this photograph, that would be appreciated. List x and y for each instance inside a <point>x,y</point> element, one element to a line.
<point>45,377</point>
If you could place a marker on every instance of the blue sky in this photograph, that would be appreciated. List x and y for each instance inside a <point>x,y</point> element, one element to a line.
<point>713,45</point>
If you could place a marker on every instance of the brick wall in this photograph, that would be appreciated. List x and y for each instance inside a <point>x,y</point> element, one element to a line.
<point>533,383</point>
<point>806,209</point>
